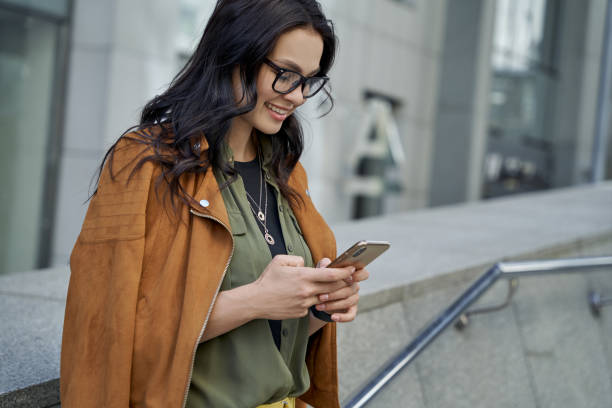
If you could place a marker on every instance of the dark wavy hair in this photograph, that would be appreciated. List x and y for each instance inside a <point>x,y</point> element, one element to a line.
<point>200,101</point>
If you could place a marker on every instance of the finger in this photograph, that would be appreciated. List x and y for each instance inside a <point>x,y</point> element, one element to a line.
<point>323,290</point>
<point>344,317</point>
<point>337,294</point>
<point>330,274</point>
<point>289,260</point>
<point>360,275</point>
<point>339,305</point>
<point>323,262</point>
<point>341,293</point>
<point>311,301</point>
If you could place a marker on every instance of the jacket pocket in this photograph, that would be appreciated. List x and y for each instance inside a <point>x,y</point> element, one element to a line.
<point>239,233</point>
<point>237,223</point>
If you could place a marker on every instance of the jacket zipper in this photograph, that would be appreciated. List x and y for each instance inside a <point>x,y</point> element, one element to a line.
<point>191,210</point>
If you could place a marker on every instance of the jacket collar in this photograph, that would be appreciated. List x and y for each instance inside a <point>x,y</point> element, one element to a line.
<point>206,192</point>
<point>204,189</point>
<point>209,201</point>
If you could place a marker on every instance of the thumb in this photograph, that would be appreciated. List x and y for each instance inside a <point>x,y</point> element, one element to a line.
<point>323,263</point>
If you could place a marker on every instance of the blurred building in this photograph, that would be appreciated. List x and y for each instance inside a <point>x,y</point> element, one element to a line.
<point>437,102</point>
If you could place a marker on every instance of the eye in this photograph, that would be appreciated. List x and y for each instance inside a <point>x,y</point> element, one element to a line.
<point>286,81</point>
<point>286,77</point>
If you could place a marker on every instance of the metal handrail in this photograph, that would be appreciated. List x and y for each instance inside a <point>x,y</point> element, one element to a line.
<point>428,334</point>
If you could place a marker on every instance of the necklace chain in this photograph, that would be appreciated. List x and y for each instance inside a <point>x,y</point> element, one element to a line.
<point>261,216</point>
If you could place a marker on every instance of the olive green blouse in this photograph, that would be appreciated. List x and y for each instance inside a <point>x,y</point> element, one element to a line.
<point>244,368</point>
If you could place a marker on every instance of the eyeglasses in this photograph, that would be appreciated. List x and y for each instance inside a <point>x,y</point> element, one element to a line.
<point>287,80</point>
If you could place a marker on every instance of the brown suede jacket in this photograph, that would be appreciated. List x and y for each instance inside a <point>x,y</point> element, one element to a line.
<point>143,283</point>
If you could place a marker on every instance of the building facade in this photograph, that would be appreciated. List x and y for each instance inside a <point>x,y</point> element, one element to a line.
<point>436,102</point>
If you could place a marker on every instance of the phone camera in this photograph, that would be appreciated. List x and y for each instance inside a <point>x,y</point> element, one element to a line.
<point>359,252</point>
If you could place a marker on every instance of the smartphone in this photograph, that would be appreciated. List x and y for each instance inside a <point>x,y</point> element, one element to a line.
<point>360,254</point>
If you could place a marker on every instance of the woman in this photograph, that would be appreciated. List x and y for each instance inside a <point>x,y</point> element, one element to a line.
<point>193,276</point>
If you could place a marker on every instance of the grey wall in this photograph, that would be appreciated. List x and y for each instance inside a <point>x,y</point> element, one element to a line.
<point>580,38</point>
<point>393,49</point>
<point>122,53</point>
<point>463,98</point>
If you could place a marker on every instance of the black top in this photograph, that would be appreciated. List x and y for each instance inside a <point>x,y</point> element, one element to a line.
<point>251,174</point>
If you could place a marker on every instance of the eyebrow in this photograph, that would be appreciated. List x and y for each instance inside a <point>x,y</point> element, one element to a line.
<point>294,67</point>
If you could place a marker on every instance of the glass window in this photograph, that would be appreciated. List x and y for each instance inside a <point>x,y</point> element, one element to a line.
<point>58,8</point>
<point>523,80</point>
<point>27,57</point>
<point>522,69</point>
<point>519,31</point>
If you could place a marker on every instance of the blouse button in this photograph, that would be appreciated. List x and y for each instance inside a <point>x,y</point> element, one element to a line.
<point>285,332</point>
<point>204,203</point>
<point>290,248</point>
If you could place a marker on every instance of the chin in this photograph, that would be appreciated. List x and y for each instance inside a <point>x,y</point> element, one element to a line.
<point>269,128</point>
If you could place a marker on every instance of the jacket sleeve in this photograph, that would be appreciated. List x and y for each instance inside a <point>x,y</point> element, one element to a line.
<point>105,264</point>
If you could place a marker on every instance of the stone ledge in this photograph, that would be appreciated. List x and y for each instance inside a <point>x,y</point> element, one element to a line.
<point>384,297</point>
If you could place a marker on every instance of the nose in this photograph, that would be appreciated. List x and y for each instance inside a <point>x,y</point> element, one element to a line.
<point>296,97</point>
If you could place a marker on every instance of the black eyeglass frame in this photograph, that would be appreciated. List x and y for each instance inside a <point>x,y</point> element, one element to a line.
<point>280,71</point>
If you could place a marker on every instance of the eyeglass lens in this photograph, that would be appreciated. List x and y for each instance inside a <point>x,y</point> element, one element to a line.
<point>288,81</point>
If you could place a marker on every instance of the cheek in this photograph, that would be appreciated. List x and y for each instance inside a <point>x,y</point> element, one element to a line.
<point>264,87</point>
<point>262,97</point>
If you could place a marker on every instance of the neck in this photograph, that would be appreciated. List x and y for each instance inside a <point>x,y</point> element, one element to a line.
<point>241,141</point>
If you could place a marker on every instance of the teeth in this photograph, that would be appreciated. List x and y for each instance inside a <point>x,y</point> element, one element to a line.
<point>275,109</point>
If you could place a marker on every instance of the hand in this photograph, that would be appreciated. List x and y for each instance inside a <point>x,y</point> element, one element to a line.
<point>286,288</point>
<point>342,303</point>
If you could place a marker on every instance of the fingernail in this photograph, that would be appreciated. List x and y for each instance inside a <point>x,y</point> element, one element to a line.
<point>320,307</point>
<point>324,297</point>
<point>335,318</point>
<point>349,279</point>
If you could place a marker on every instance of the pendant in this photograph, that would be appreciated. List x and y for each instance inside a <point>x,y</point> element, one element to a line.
<point>261,216</point>
<point>269,238</point>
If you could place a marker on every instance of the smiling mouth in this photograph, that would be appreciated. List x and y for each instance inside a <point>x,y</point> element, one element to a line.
<point>276,109</point>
